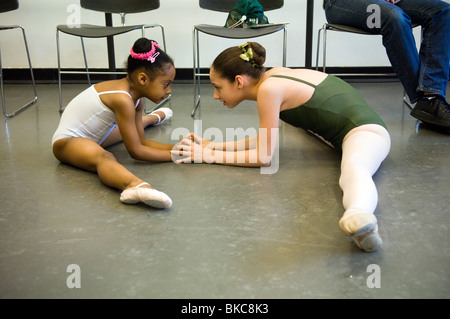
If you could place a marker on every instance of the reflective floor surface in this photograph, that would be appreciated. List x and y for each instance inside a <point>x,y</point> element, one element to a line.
<point>231,232</point>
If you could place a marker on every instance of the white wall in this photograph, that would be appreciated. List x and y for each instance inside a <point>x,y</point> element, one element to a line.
<point>40,17</point>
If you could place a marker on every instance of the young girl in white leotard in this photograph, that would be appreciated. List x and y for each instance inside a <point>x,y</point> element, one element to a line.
<point>111,111</point>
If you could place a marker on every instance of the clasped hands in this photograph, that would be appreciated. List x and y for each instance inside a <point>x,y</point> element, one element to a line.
<point>193,149</point>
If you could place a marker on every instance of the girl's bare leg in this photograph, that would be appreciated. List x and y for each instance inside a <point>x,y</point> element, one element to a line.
<point>88,155</point>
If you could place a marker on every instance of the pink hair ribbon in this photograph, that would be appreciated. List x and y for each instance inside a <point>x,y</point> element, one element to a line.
<point>148,56</point>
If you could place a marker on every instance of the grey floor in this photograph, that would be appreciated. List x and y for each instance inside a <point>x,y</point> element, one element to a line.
<point>231,232</point>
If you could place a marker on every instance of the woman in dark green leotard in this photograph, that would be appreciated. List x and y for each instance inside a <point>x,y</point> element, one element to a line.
<point>320,103</point>
<point>334,110</point>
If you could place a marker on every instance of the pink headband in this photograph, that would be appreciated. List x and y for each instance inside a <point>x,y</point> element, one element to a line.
<point>149,56</point>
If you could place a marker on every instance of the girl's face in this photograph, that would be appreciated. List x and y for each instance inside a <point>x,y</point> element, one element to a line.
<point>159,88</point>
<point>224,90</point>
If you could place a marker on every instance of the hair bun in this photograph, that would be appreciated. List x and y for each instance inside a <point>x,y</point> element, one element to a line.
<point>259,53</point>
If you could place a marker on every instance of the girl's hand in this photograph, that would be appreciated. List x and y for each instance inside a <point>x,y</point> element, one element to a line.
<point>199,140</point>
<point>192,149</point>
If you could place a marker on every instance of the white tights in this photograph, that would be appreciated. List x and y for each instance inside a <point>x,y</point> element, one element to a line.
<point>363,150</point>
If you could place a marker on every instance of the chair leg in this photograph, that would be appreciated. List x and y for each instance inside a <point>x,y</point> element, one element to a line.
<point>58,52</point>
<point>196,71</point>
<point>162,33</point>
<point>284,45</point>
<point>23,107</point>
<point>318,48</point>
<point>85,61</point>
<point>59,71</point>
<point>407,101</point>
<point>163,37</point>
<point>405,96</point>
<point>160,104</point>
<point>2,92</point>
<point>324,48</point>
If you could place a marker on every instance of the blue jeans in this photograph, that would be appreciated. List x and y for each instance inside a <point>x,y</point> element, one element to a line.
<point>424,71</point>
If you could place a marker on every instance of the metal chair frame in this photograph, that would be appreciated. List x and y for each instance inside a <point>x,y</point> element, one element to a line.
<point>348,29</point>
<point>235,33</point>
<point>25,106</point>
<point>95,31</point>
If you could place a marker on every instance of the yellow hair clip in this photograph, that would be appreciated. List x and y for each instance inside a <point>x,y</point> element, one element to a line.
<point>247,55</point>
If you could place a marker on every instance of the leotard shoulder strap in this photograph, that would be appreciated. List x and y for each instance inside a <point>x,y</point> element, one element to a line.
<point>294,79</point>
<point>119,91</point>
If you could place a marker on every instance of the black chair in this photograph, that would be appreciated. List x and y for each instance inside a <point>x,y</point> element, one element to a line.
<point>121,7</point>
<point>5,6</point>
<point>343,28</point>
<point>231,33</point>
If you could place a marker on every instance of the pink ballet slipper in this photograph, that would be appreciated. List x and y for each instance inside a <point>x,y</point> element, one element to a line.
<point>148,196</point>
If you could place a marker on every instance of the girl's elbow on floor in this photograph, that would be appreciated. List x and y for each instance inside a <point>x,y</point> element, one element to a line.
<point>136,153</point>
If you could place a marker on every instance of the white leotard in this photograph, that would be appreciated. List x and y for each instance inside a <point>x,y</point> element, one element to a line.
<point>87,116</point>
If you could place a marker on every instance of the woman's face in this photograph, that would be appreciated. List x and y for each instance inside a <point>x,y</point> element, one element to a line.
<point>224,90</point>
<point>160,87</point>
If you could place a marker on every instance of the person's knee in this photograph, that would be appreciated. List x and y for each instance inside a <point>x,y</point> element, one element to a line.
<point>58,149</point>
<point>395,21</point>
<point>105,156</point>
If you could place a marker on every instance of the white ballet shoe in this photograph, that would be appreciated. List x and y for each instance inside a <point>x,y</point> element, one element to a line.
<point>167,115</point>
<point>363,229</point>
<point>149,196</point>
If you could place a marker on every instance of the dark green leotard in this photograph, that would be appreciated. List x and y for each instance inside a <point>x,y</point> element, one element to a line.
<point>334,109</point>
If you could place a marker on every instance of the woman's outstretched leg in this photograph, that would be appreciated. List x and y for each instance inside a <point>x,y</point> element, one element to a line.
<point>363,150</point>
<point>87,155</point>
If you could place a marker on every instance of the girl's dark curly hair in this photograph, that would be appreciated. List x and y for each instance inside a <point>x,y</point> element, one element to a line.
<point>160,64</point>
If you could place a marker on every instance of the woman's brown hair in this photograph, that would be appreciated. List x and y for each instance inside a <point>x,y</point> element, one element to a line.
<point>229,63</point>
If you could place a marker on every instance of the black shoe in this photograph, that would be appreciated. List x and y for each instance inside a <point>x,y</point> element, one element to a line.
<point>435,111</point>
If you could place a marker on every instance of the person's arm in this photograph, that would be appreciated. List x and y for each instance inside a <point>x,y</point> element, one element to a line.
<point>255,151</point>
<point>140,128</point>
<point>255,157</point>
<point>241,145</point>
<point>244,144</point>
<point>129,121</point>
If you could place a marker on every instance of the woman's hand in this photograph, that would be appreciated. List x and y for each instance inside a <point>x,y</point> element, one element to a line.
<point>192,149</point>
<point>199,140</point>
